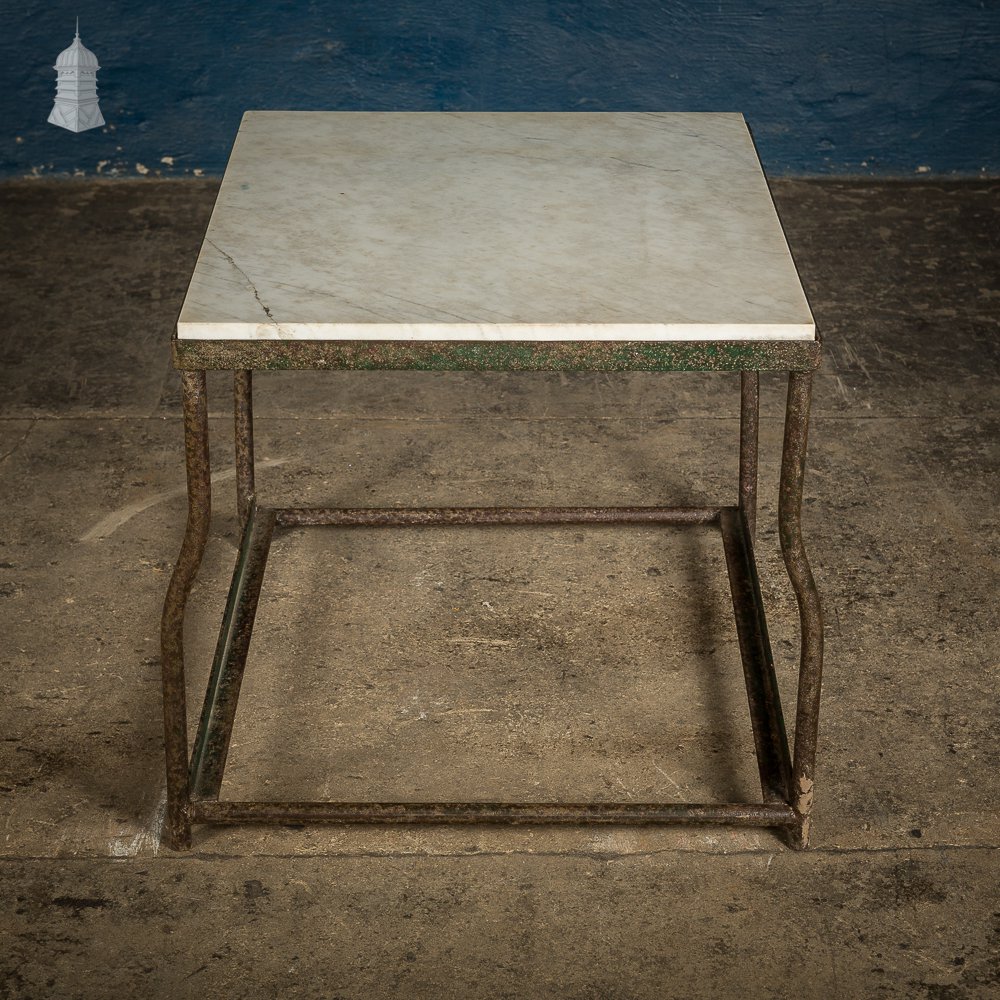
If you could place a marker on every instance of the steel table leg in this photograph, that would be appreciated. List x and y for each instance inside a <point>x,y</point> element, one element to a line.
<point>177,827</point>
<point>243,411</point>
<point>810,615</point>
<point>749,420</point>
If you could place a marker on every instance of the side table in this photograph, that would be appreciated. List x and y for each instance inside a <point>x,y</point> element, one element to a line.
<point>493,242</point>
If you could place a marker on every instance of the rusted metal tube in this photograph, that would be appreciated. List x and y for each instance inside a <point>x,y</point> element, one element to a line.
<point>391,517</point>
<point>243,413</point>
<point>177,825</point>
<point>749,422</point>
<point>793,461</point>
<point>770,741</point>
<point>783,782</point>
<point>211,746</point>
<point>737,814</point>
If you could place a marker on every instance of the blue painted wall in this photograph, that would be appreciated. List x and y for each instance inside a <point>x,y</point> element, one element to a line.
<point>901,87</point>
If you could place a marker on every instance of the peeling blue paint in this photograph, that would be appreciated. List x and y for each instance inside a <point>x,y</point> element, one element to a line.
<point>900,87</point>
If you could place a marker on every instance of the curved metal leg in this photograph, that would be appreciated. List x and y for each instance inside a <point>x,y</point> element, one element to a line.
<point>177,827</point>
<point>749,419</point>
<point>810,615</point>
<point>243,409</point>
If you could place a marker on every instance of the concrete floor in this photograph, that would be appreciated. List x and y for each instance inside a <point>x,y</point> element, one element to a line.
<point>533,663</point>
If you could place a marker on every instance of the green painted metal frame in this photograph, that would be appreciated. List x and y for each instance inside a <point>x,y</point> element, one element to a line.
<point>503,356</point>
<point>194,783</point>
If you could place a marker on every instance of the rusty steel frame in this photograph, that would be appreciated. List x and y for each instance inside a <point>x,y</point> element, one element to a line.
<point>194,783</point>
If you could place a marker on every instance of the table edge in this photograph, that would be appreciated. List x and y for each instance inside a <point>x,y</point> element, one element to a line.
<point>479,355</point>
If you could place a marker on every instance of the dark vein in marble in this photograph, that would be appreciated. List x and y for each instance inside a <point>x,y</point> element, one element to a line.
<point>246,277</point>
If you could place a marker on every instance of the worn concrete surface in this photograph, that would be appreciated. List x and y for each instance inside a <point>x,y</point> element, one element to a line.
<point>599,662</point>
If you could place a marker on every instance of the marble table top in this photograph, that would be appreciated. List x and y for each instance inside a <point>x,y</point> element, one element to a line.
<point>494,226</point>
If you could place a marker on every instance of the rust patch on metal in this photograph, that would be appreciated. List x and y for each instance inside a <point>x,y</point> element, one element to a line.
<point>793,462</point>
<point>375,517</point>
<point>735,814</point>
<point>177,825</point>
<point>749,420</point>
<point>243,418</point>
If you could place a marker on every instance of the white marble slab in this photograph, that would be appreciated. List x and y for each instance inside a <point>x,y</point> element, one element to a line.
<point>494,226</point>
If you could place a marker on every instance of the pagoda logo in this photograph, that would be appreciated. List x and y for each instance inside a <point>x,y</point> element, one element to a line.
<point>76,106</point>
